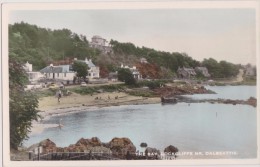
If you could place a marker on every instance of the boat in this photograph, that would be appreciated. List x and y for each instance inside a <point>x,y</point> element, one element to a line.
<point>169,100</point>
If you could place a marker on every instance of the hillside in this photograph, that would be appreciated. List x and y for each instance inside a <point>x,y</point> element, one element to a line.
<point>42,46</point>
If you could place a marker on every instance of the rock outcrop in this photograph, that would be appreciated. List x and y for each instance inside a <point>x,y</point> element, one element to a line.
<point>122,146</point>
<point>171,149</point>
<point>84,145</point>
<point>94,141</point>
<point>47,146</point>
<point>152,151</point>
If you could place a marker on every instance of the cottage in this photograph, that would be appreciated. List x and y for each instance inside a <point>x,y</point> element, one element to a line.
<point>33,76</point>
<point>27,67</point>
<point>203,71</point>
<point>93,71</point>
<point>134,71</point>
<point>99,43</point>
<point>186,72</point>
<point>61,72</point>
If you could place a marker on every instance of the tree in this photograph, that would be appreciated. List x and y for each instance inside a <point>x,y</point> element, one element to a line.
<point>126,76</point>
<point>81,69</point>
<point>23,105</point>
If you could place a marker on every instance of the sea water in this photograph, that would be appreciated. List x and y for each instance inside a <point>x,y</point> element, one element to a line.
<point>196,127</point>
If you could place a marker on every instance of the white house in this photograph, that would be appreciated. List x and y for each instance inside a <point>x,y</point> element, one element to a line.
<point>143,60</point>
<point>61,72</point>
<point>100,44</point>
<point>33,76</point>
<point>134,71</point>
<point>93,71</point>
<point>27,67</point>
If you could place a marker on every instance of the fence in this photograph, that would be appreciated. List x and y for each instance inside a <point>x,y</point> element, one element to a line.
<point>72,156</point>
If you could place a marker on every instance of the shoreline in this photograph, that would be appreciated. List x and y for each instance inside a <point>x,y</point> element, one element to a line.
<point>49,106</point>
<point>75,103</point>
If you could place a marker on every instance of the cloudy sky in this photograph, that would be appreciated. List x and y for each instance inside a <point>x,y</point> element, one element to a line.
<point>223,34</point>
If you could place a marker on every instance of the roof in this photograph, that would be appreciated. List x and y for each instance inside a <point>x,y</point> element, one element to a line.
<point>188,70</point>
<point>57,69</point>
<point>89,63</point>
<point>201,68</point>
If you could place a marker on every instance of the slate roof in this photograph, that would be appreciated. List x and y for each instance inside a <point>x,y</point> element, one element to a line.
<point>90,63</point>
<point>57,69</point>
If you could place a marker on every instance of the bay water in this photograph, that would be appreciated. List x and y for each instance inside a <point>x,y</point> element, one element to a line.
<point>196,127</point>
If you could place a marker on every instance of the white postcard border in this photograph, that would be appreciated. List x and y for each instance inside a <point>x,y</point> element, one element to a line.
<point>8,7</point>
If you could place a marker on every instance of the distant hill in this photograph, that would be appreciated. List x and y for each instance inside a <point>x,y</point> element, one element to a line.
<point>42,46</point>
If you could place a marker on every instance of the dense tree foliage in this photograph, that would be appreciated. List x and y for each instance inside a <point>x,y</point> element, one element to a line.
<point>40,46</point>
<point>162,59</point>
<point>23,105</point>
<point>80,68</point>
<point>220,69</point>
<point>171,61</point>
<point>126,76</point>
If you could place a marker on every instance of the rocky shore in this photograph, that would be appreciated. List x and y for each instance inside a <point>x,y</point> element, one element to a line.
<point>169,91</point>
<point>251,101</point>
<point>117,148</point>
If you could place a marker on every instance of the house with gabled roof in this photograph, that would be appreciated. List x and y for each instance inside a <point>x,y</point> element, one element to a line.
<point>93,71</point>
<point>60,72</point>
<point>66,73</point>
<point>100,43</point>
<point>186,72</point>
<point>33,76</point>
<point>134,71</point>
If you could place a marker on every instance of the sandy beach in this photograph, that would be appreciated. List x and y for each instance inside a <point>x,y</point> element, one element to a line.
<point>75,102</point>
<point>49,106</point>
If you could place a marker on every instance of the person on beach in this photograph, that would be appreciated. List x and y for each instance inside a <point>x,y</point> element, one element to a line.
<point>59,95</point>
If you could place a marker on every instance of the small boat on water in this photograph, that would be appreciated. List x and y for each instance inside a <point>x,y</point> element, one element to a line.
<point>169,100</point>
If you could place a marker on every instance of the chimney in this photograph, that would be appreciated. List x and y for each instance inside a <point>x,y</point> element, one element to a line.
<point>75,58</point>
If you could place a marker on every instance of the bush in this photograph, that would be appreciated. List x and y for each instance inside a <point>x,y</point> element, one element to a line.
<point>141,93</point>
<point>84,90</point>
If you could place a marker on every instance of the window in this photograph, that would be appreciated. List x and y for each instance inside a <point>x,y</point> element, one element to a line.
<point>65,74</point>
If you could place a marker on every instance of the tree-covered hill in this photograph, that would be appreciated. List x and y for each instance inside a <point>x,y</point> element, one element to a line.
<point>42,46</point>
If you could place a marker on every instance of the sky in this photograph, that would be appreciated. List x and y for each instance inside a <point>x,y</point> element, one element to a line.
<point>223,34</point>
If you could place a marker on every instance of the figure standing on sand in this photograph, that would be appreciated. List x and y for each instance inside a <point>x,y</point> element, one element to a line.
<point>58,94</point>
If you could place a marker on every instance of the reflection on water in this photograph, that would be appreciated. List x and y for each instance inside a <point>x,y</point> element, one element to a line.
<point>194,127</point>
